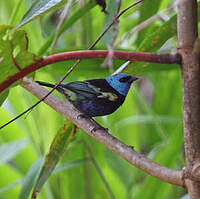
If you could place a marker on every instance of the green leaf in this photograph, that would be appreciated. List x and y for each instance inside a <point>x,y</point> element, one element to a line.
<point>38,7</point>
<point>153,43</point>
<point>10,186</point>
<point>69,165</point>
<point>11,149</point>
<point>112,10</point>
<point>147,10</point>
<point>15,12</point>
<point>30,179</point>
<point>69,22</point>
<point>10,177</point>
<point>167,156</point>
<point>3,96</point>
<point>13,52</point>
<point>57,148</point>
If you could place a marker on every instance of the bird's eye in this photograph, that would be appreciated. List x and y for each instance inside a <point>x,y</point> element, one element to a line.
<point>124,79</point>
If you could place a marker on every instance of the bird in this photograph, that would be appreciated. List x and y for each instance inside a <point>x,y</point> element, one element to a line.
<point>96,97</point>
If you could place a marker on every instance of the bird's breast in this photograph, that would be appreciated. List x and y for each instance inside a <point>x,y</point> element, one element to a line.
<point>100,106</point>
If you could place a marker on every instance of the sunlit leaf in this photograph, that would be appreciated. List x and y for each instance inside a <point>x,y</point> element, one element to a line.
<point>152,123</point>
<point>166,156</point>
<point>68,23</point>
<point>58,147</point>
<point>152,43</point>
<point>30,178</point>
<point>112,10</point>
<point>3,96</point>
<point>155,40</point>
<point>10,181</point>
<point>69,165</point>
<point>38,7</point>
<point>147,9</point>
<point>14,53</point>
<point>11,149</point>
<point>10,186</point>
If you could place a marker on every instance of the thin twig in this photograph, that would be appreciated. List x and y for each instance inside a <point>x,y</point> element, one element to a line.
<point>143,25</point>
<point>126,152</point>
<point>172,58</point>
<point>115,19</point>
<point>42,99</point>
<point>74,66</point>
<point>109,59</point>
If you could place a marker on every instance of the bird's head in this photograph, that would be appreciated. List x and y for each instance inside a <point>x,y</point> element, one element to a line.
<point>121,82</point>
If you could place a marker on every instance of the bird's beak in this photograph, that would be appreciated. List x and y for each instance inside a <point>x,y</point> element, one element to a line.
<point>132,79</point>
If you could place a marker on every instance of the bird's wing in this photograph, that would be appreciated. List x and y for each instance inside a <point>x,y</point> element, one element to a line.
<point>89,90</point>
<point>83,89</point>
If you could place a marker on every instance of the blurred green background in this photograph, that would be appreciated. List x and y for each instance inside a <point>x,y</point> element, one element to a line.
<point>150,119</point>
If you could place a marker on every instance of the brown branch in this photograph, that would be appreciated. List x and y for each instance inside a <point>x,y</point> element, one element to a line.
<point>17,76</point>
<point>75,64</point>
<point>187,34</point>
<point>126,152</point>
<point>91,54</point>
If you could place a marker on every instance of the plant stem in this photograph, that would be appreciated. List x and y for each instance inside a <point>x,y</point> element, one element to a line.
<point>172,58</point>
<point>126,152</point>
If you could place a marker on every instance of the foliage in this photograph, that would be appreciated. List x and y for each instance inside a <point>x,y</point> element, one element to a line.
<point>150,119</point>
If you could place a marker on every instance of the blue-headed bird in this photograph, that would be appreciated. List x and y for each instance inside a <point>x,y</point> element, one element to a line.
<point>96,97</point>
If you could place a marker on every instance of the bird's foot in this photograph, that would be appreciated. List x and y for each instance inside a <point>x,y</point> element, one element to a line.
<point>82,116</point>
<point>99,128</point>
<point>132,147</point>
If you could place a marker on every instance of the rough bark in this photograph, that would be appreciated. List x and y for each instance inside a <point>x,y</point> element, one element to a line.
<point>187,34</point>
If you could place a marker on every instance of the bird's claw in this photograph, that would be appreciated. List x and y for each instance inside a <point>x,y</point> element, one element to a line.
<point>99,128</point>
<point>82,116</point>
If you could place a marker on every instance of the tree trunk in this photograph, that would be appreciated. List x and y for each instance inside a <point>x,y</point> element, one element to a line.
<point>187,35</point>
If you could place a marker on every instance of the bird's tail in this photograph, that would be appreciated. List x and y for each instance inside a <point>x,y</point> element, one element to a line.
<point>45,84</point>
<point>59,88</point>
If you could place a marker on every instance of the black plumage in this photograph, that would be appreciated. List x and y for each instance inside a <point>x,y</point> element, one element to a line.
<point>96,97</point>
